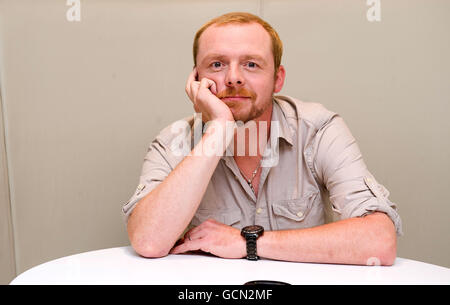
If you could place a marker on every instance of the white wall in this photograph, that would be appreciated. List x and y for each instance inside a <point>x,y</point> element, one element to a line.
<point>82,100</point>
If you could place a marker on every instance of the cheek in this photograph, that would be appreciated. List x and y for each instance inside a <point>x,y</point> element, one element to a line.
<point>263,86</point>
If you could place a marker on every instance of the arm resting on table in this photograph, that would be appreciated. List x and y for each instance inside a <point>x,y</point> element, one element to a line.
<point>359,241</point>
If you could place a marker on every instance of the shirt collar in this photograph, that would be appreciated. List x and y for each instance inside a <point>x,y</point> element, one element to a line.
<point>284,129</point>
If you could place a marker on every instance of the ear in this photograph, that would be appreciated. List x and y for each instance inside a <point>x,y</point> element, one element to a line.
<point>279,79</point>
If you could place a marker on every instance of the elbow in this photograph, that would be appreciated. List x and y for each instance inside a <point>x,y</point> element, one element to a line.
<point>386,251</point>
<point>144,243</point>
<point>383,255</point>
<point>146,246</point>
<point>383,245</point>
<point>389,246</point>
<point>389,254</point>
<point>149,250</point>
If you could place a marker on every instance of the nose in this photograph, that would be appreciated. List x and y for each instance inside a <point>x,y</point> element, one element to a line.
<point>234,76</point>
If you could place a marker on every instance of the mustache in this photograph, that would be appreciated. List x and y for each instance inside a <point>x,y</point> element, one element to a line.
<point>232,91</point>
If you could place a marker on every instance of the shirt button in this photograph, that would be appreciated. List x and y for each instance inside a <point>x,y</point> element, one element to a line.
<point>300,214</point>
<point>258,211</point>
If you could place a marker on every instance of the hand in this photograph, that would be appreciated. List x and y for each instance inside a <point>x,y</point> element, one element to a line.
<point>203,96</point>
<point>213,237</point>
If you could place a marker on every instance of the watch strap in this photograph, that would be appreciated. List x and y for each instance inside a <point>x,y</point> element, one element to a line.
<point>251,247</point>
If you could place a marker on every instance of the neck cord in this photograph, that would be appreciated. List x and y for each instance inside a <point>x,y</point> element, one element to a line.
<point>249,181</point>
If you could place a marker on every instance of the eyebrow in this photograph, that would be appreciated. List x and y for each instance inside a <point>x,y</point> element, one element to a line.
<point>245,57</point>
<point>255,57</point>
<point>213,56</point>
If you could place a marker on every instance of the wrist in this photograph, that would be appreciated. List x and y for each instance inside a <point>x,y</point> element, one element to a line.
<point>251,235</point>
<point>242,246</point>
<point>218,134</point>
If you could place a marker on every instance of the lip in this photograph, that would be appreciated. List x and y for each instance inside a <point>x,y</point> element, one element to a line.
<point>235,98</point>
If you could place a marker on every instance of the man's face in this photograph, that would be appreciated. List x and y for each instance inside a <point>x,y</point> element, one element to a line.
<point>239,59</point>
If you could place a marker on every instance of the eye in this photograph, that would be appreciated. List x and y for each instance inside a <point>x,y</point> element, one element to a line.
<point>252,64</point>
<point>216,64</point>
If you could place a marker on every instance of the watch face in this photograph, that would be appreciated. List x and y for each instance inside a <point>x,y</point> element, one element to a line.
<point>253,229</point>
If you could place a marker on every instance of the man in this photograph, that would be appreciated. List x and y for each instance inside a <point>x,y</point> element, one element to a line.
<point>305,156</point>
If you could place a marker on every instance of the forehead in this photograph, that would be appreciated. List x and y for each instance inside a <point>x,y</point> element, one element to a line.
<point>235,40</point>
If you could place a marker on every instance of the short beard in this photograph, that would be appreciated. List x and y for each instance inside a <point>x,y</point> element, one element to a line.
<point>255,110</point>
<point>254,113</point>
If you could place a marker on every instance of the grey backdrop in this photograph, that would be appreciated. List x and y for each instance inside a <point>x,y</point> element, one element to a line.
<point>80,102</point>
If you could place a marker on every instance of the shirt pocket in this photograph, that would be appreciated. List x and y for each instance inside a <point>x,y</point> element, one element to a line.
<point>291,213</point>
<point>228,217</point>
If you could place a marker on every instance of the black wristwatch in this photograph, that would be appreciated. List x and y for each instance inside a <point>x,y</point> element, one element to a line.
<point>251,234</point>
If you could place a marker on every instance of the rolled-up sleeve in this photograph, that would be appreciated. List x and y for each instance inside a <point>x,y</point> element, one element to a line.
<point>353,190</point>
<point>155,169</point>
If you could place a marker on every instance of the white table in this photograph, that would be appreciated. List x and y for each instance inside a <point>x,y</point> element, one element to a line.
<point>123,266</point>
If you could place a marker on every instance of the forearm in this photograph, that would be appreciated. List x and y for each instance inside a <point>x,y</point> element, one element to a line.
<point>161,217</point>
<point>359,241</point>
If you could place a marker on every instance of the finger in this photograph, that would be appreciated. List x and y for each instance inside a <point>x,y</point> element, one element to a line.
<point>188,245</point>
<point>195,233</point>
<point>188,233</point>
<point>192,77</point>
<point>193,90</point>
<point>208,84</point>
<point>212,86</point>
<point>196,109</point>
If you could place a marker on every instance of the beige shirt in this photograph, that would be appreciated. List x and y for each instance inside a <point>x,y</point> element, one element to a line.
<point>312,168</point>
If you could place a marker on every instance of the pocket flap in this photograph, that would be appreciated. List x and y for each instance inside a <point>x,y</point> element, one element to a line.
<point>294,209</point>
